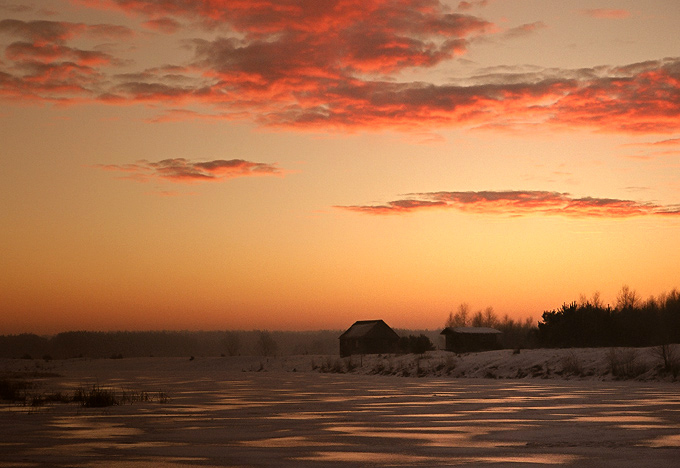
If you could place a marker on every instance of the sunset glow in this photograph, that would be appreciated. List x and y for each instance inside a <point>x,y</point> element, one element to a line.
<point>302,164</point>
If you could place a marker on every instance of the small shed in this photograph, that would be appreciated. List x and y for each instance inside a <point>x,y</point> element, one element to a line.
<point>368,337</point>
<point>469,339</point>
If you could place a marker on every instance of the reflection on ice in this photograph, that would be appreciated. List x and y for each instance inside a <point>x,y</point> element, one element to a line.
<point>463,437</point>
<point>614,419</point>
<point>293,441</point>
<point>166,462</point>
<point>303,415</point>
<point>672,440</point>
<point>374,458</point>
<point>298,420</point>
<point>532,459</point>
<point>84,428</point>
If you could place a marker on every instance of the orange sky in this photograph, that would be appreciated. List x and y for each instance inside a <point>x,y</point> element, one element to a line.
<point>295,164</point>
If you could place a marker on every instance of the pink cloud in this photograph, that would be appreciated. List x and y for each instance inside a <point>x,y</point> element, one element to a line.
<point>519,203</point>
<point>183,170</point>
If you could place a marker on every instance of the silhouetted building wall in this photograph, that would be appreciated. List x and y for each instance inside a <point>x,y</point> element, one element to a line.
<point>368,337</point>
<point>469,339</point>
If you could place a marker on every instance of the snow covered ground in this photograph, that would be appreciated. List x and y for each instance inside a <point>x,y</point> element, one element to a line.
<point>576,363</point>
<point>538,408</point>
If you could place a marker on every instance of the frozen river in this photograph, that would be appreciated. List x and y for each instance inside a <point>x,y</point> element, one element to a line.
<point>249,419</point>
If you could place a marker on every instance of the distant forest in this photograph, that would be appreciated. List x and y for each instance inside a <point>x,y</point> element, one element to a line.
<point>126,344</point>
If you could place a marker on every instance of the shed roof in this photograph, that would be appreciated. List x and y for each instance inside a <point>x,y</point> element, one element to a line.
<point>471,330</point>
<point>368,328</point>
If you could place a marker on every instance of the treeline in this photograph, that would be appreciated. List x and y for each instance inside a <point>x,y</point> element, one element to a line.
<point>516,333</point>
<point>632,322</point>
<point>168,344</point>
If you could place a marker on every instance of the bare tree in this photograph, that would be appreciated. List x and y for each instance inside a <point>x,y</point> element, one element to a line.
<point>266,345</point>
<point>490,318</point>
<point>478,319</point>
<point>627,298</point>
<point>486,318</point>
<point>595,300</point>
<point>460,318</point>
<point>232,343</point>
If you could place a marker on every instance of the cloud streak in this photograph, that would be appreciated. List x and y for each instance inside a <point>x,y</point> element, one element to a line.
<point>519,203</point>
<point>525,29</point>
<point>604,13</point>
<point>181,170</point>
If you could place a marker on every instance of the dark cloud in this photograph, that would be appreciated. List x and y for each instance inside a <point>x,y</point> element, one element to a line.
<point>49,81</point>
<point>16,8</point>
<point>464,6</point>
<point>165,25</point>
<point>45,67</point>
<point>372,35</point>
<point>520,203</point>
<point>42,31</point>
<point>184,170</point>
<point>39,31</point>
<point>23,51</point>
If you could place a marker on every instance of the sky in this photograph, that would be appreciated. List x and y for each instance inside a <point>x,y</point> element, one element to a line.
<point>303,164</point>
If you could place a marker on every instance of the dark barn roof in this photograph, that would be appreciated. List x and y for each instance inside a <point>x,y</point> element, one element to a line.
<point>368,329</point>
<point>368,337</point>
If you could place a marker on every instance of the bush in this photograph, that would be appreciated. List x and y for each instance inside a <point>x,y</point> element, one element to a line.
<point>334,366</point>
<point>624,364</point>
<point>13,390</point>
<point>669,356</point>
<point>96,397</point>
<point>415,344</point>
<point>383,367</point>
<point>350,365</point>
<point>572,365</point>
<point>445,366</point>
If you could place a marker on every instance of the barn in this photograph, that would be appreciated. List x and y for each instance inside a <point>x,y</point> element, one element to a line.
<point>368,337</point>
<point>469,339</point>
